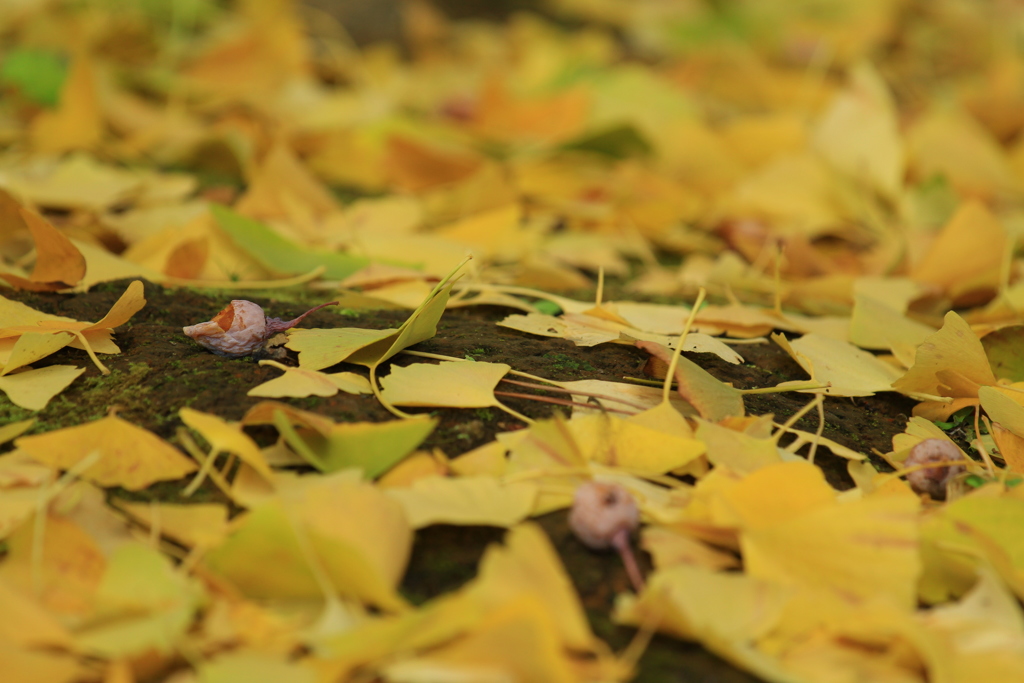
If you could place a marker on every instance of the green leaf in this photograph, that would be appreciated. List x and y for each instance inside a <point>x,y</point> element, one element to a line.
<point>617,142</point>
<point>1005,351</point>
<point>547,307</point>
<point>373,447</point>
<point>278,254</point>
<point>38,74</point>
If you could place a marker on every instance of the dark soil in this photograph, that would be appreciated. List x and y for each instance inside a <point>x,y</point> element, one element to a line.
<point>160,371</point>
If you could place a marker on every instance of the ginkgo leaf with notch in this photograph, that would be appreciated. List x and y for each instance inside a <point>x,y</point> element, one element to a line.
<point>300,382</point>
<point>320,348</point>
<point>92,337</point>
<point>950,364</point>
<point>449,384</point>
<point>129,456</point>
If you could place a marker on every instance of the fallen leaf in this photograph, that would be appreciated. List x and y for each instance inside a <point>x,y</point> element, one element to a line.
<point>33,388</point>
<point>448,384</point>
<point>93,337</point>
<point>373,447</point>
<point>128,456</point>
<point>712,399</point>
<point>298,383</point>
<point>59,265</point>
<point>467,500</point>
<point>844,369</point>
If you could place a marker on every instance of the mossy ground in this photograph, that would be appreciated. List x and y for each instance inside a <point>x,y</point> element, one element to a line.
<point>161,371</point>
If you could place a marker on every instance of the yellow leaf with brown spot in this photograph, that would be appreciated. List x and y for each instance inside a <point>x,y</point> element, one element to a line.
<point>862,548</point>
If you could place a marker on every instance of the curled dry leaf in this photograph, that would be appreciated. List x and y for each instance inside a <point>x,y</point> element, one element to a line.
<point>241,328</point>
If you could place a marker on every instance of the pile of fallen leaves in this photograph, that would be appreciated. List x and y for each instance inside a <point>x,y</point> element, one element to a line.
<point>843,179</point>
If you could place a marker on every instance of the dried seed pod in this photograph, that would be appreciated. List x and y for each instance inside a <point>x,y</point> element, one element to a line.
<point>241,328</point>
<point>933,480</point>
<point>603,516</point>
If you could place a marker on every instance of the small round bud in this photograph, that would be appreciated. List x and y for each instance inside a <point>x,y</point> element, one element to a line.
<point>933,480</point>
<point>602,511</point>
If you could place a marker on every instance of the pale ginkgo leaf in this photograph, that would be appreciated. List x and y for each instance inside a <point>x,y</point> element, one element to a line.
<point>841,366</point>
<point>473,500</point>
<point>33,388</point>
<point>300,382</point>
<point>128,456</point>
<point>449,384</point>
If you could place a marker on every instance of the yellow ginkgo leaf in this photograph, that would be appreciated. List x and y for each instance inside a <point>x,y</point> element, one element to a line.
<point>252,665</point>
<point>147,605</point>
<point>876,325</point>
<point>33,388</point>
<point>29,624</point>
<point>374,447</point>
<point>319,348</point>
<point>669,548</point>
<point>725,611</point>
<point>736,450</point>
<point>78,122</point>
<point>953,144</point>
<point>513,642</point>
<point>862,548</point>
<point>26,665</point>
<point>845,369</point>
<point>19,319</point>
<point>129,456</point>
<point>30,347</point>
<point>474,500</point>
<point>631,445</point>
<point>713,399</point>
<point>950,362</point>
<point>777,493</point>
<point>225,437</point>
<point>58,265</point>
<point>203,524</point>
<point>528,566</point>
<point>967,254</point>
<point>333,529</point>
<point>859,133</point>
<point>61,572</point>
<point>449,384</point>
<point>323,348</point>
<point>1003,409</point>
<point>299,383</point>
<point>15,429</point>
